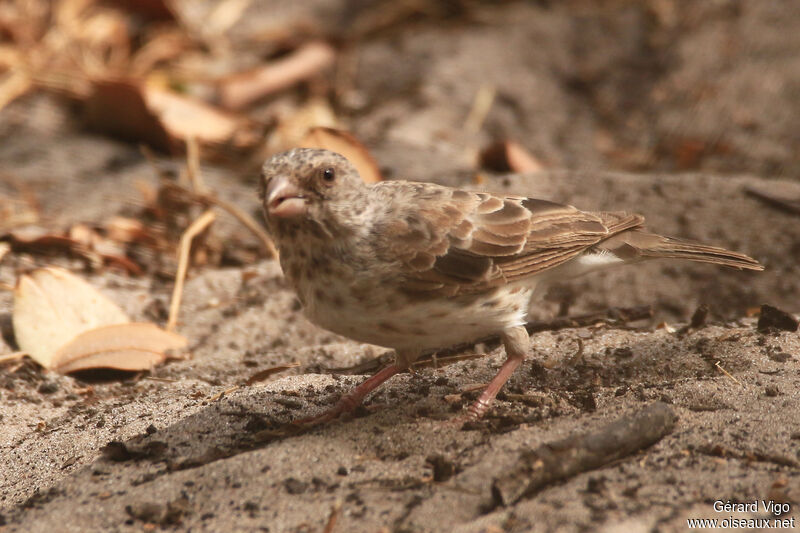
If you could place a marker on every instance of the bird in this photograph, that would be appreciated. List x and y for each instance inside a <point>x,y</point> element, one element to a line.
<point>416,266</point>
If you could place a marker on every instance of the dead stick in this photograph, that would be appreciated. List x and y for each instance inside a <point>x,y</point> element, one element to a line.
<point>14,356</point>
<point>193,166</point>
<point>719,367</point>
<point>333,517</point>
<point>559,460</point>
<point>791,205</point>
<point>183,263</point>
<point>245,219</point>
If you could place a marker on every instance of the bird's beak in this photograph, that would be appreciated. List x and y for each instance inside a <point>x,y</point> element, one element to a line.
<point>284,200</point>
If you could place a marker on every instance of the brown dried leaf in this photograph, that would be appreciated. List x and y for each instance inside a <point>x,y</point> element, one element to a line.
<point>151,9</point>
<point>164,119</point>
<point>294,126</point>
<point>132,346</point>
<point>125,230</point>
<point>52,306</point>
<point>185,117</point>
<point>346,144</point>
<point>244,88</point>
<point>508,156</point>
<point>118,107</point>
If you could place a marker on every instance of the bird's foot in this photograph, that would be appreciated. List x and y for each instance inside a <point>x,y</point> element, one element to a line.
<point>473,414</point>
<point>352,400</point>
<point>344,405</point>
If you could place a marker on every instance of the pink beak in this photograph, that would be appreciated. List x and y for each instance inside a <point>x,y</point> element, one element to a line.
<point>284,200</point>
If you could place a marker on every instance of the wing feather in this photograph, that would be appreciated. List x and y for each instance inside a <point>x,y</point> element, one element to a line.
<point>459,242</point>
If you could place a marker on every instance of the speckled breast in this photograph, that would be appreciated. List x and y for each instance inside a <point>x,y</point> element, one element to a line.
<point>343,295</point>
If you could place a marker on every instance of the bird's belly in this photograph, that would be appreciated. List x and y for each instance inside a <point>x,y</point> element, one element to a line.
<point>417,324</point>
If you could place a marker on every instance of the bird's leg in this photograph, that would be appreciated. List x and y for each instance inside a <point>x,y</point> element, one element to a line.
<point>350,401</point>
<point>516,342</point>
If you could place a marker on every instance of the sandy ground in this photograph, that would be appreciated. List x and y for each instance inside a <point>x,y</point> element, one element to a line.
<point>168,450</point>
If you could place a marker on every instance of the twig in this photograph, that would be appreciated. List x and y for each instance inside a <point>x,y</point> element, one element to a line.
<point>336,510</point>
<point>717,450</point>
<point>255,378</point>
<point>786,204</point>
<point>559,460</point>
<point>240,90</point>
<point>264,374</point>
<point>245,219</point>
<point>193,166</point>
<point>727,373</point>
<point>481,105</point>
<point>210,199</point>
<point>222,393</point>
<point>14,356</point>
<point>183,263</point>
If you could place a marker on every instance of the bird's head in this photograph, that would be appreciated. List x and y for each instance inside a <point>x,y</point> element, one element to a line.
<point>308,185</point>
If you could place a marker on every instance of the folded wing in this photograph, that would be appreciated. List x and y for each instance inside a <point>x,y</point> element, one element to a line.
<point>458,242</point>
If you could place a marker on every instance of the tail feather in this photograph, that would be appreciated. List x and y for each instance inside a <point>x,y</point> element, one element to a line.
<point>638,245</point>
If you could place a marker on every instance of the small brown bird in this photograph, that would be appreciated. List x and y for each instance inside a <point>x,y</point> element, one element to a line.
<point>417,266</point>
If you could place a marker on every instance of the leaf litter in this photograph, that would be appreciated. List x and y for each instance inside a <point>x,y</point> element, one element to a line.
<point>66,325</point>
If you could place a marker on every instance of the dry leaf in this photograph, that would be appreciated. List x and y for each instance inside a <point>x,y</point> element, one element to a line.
<point>131,346</point>
<point>4,249</point>
<point>185,117</point>
<point>244,88</point>
<point>52,306</point>
<point>508,156</point>
<point>120,108</point>
<point>165,119</point>
<point>346,144</point>
<point>82,242</point>
<point>125,230</point>
<point>294,127</point>
<point>151,9</point>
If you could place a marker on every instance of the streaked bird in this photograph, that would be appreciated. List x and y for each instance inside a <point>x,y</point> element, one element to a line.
<point>418,266</point>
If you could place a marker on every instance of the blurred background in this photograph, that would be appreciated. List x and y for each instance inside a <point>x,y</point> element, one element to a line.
<point>685,111</point>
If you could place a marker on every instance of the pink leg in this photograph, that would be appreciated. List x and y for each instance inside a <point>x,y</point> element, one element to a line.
<point>516,342</point>
<point>352,400</point>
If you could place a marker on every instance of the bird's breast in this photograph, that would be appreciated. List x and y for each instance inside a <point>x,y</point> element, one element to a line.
<point>369,311</point>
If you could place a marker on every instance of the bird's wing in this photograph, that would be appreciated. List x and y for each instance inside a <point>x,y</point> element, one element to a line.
<point>452,241</point>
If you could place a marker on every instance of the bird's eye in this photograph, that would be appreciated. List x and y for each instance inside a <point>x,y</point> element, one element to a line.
<point>328,175</point>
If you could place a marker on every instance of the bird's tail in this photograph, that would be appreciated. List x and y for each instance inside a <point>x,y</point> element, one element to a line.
<point>637,245</point>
